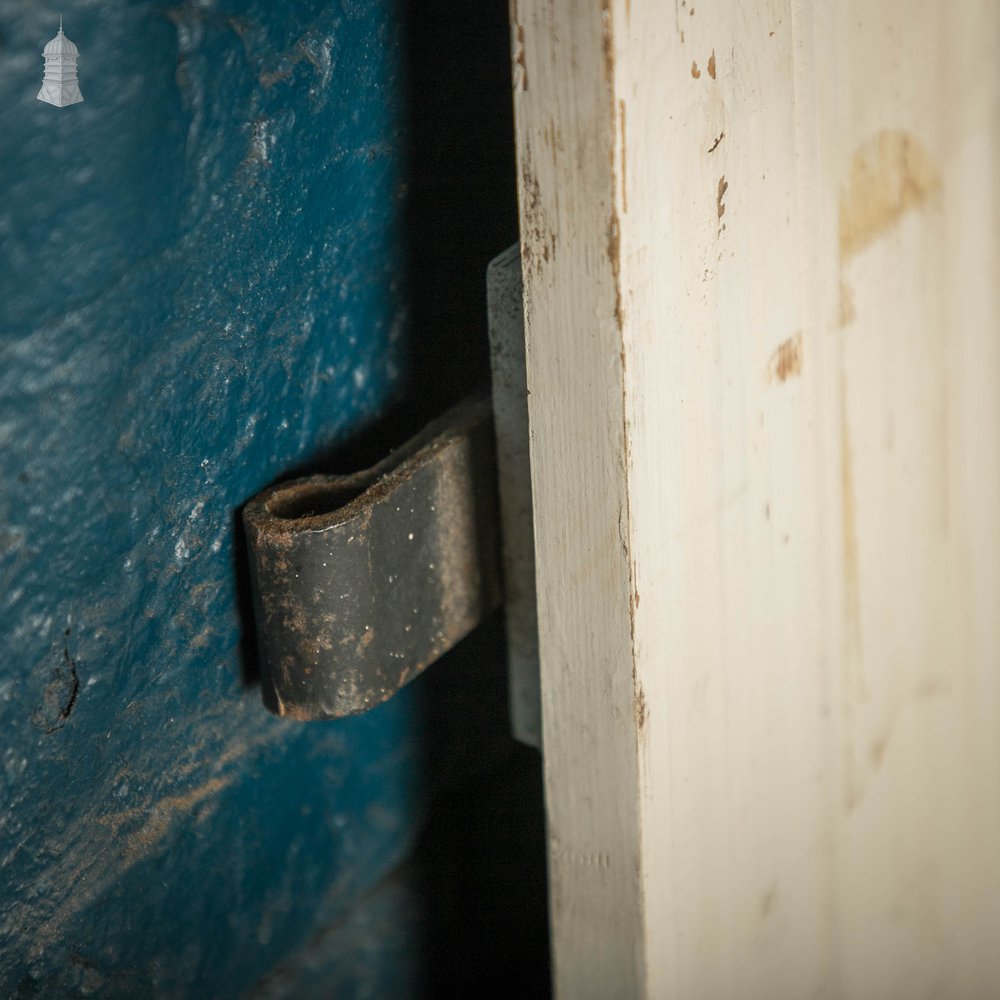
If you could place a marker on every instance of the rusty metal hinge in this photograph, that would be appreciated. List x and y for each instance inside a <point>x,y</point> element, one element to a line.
<point>361,581</point>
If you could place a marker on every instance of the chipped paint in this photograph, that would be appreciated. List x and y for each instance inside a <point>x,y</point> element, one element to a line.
<point>786,361</point>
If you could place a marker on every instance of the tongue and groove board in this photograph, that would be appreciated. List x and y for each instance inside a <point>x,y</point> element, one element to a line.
<point>760,252</point>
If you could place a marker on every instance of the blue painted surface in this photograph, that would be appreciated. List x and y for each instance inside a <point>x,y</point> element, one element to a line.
<point>198,291</point>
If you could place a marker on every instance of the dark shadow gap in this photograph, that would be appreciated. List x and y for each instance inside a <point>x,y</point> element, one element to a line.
<point>478,869</point>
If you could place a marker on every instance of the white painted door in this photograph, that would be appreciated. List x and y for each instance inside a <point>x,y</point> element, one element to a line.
<point>760,252</point>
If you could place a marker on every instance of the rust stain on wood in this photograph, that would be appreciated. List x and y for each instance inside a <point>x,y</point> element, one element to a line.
<point>607,41</point>
<point>552,137</point>
<point>615,257</point>
<point>877,751</point>
<point>849,531</point>
<point>786,360</point>
<point>614,227</point>
<point>847,311</point>
<point>538,242</point>
<point>617,118</point>
<point>624,162</point>
<point>720,205</point>
<point>519,72</point>
<point>520,69</point>
<point>638,695</point>
<point>890,175</point>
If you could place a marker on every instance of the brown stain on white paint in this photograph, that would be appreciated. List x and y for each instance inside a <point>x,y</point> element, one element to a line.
<point>615,259</point>
<point>614,253</point>
<point>853,687</point>
<point>538,240</point>
<point>786,361</point>
<point>849,531</point>
<point>641,709</point>
<point>847,311</point>
<point>861,769</point>
<point>720,204</point>
<point>608,44</point>
<point>552,137</point>
<point>695,72</point>
<point>711,65</point>
<point>624,161</point>
<point>890,175</point>
<point>926,690</point>
<point>877,750</point>
<point>520,68</point>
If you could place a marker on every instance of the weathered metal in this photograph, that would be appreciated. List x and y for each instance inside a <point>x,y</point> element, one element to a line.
<point>360,581</point>
<point>505,294</point>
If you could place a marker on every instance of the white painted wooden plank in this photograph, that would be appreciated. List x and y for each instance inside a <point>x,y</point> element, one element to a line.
<point>574,349</point>
<point>761,271</point>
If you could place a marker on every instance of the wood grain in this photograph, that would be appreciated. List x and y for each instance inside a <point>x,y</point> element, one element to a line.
<point>761,288</point>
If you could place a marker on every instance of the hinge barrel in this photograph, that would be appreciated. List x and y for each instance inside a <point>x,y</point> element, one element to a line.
<point>360,581</point>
